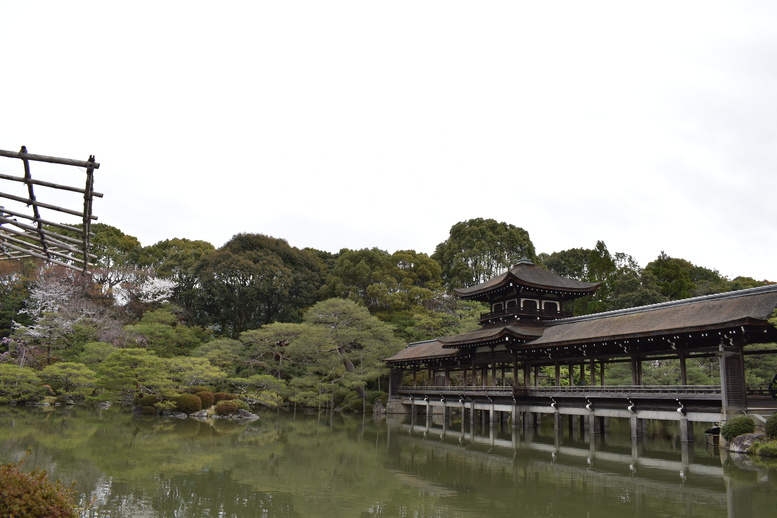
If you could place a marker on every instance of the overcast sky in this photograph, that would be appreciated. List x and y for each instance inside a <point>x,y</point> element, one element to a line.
<point>331,124</point>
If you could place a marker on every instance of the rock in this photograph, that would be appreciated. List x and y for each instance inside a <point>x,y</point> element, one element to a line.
<point>245,414</point>
<point>175,415</point>
<point>377,408</point>
<point>743,443</point>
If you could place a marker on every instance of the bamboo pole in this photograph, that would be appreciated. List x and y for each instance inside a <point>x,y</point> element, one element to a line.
<point>35,203</point>
<point>52,242</point>
<point>49,184</point>
<point>53,235</point>
<point>45,222</point>
<point>35,254</point>
<point>47,253</point>
<point>50,159</point>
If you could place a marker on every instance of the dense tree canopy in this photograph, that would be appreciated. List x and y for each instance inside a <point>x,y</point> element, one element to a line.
<point>479,249</point>
<point>254,280</point>
<point>279,324</point>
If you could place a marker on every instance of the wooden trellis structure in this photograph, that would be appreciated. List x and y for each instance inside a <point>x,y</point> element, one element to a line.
<point>24,229</point>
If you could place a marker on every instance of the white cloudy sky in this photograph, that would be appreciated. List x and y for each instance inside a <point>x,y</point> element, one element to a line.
<point>333,124</point>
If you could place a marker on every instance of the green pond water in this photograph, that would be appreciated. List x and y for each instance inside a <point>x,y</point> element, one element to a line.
<point>298,465</point>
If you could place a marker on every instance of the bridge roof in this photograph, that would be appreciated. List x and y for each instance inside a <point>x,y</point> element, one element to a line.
<point>492,335</point>
<point>708,313</point>
<point>674,321</point>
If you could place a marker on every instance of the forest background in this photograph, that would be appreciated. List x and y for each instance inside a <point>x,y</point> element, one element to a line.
<point>279,325</point>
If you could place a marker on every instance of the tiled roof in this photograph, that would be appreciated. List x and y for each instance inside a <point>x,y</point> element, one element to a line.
<point>724,310</point>
<point>490,334</point>
<point>527,274</point>
<point>752,307</point>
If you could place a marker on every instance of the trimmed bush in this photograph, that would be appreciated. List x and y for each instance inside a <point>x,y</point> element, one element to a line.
<point>770,428</point>
<point>33,494</point>
<point>223,396</point>
<point>736,426</point>
<point>241,405</point>
<point>188,403</point>
<point>226,407</point>
<point>207,398</point>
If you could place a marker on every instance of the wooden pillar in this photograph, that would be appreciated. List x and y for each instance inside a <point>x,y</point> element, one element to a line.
<point>636,370</point>
<point>732,378</point>
<point>683,370</point>
<point>515,372</point>
<point>571,375</point>
<point>558,374</point>
<point>484,375</point>
<point>526,375</point>
<point>593,372</point>
<point>601,378</point>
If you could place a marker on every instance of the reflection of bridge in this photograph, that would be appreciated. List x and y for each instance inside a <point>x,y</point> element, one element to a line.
<point>584,467</point>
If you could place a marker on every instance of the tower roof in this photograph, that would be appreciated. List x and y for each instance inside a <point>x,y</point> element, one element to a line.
<point>526,274</point>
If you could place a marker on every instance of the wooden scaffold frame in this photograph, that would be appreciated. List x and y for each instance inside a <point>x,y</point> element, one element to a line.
<point>25,233</point>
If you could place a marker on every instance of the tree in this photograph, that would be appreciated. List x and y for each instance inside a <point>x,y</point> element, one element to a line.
<point>681,279</point>
<point>479,249</point>
<point>163,332</point>
<point>130,371</point>
<point>254,280</point>
<point>190,372</point>
<point>224,353</point>
<point>175,260</point>
<point>266,348</point>
<point>19,384</point>
<point>70,379</point>
<point>344,345</point>
<point>14,290</point>
<point>384,282</point>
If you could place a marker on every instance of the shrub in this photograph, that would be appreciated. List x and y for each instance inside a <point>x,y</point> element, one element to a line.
<point>33,494</point>
<point>765,449</point>
<point>223,396</point>
<point>148,400</point>
<point>226,407</point>
<point>241,405</point>
<point>770,428</point>
<point>207,398</point>
<point>737,426</point>
<point>188,403</point>
<point>197,388</point>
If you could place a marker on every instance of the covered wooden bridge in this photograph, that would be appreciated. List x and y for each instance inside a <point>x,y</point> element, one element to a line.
<point>530,357</point>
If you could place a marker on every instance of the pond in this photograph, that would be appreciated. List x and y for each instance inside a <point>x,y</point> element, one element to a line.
<point>300,465</point>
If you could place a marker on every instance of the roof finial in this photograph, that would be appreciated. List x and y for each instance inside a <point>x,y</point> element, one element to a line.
<point>523,260</point>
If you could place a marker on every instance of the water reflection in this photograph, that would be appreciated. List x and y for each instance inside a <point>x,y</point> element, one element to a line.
<point>342,466</point>
<point>557,470</point>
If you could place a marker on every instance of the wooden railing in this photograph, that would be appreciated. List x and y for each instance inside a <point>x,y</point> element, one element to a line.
<point>525,312</point>
<point>659,391</point>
